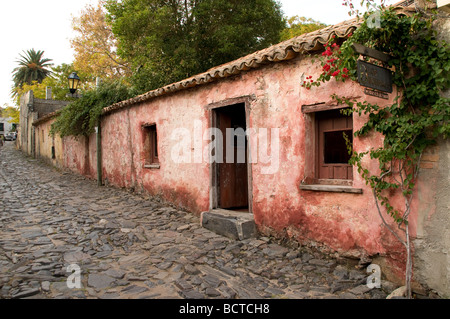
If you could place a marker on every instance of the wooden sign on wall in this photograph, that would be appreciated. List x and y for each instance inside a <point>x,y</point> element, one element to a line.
<point>374,77</point>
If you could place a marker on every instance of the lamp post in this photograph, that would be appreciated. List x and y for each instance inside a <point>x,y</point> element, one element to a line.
<point>74,81</point>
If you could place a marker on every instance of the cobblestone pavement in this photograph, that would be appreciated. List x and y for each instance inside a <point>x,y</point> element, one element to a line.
<point>130,246</point>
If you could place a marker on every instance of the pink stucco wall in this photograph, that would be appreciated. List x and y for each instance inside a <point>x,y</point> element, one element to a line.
<point>80,155</point>
<point>343,222</point>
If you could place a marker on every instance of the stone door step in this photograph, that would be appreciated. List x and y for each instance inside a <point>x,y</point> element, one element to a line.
<point>228,223</point>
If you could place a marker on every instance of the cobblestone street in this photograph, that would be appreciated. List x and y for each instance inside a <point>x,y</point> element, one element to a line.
<point>130,246</point>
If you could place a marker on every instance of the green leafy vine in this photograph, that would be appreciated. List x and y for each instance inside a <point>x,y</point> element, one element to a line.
<point>80,117</point>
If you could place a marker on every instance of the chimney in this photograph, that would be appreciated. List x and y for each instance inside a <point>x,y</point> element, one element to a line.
<point>48,93</point>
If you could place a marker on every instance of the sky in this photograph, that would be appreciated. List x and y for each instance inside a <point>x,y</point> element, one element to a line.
<point>47,25</point>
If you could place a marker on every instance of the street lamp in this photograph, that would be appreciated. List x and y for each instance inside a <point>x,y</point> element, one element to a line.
<point>74,81</point>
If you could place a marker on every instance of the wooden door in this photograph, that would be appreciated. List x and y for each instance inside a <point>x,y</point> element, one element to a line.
<point>232,177</point>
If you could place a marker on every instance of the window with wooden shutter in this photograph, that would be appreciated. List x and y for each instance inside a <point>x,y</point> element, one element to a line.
<point>332,154</point>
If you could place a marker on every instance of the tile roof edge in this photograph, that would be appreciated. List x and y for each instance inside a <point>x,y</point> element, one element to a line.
<point>46,117</point>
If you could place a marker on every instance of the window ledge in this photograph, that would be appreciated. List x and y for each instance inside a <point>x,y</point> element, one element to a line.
<point>152,166</point>
<point>331,188</point>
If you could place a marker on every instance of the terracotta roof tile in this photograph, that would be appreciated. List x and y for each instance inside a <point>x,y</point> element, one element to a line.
<point>46,118</point>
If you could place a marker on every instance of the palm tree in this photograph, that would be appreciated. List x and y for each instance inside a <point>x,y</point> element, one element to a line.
<point>32,67</point>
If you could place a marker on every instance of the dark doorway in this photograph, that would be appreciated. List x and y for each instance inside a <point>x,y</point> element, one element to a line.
<point>232,173</point>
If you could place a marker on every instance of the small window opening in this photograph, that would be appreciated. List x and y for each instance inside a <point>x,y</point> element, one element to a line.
<point>335,147</point>
<point>333,128</point>
<point>151,145</point>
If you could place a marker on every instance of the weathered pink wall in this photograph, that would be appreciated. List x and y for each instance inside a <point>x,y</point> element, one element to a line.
<point>348,223</point>
<point>184,184</point>
<point>79,155</point>
<point>344,222</point>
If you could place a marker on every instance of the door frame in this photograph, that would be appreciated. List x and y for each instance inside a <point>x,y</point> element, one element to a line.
<point>212,109</point>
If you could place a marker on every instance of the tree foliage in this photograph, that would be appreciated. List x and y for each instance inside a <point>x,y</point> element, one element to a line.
<point>163,41</point>
<point>80,117</point>
<point>57,80</point>
<point>32,67</point>
<point>95,45</point>
<point>300,25</point>
<point>10,112</point>
<point>169,40</point>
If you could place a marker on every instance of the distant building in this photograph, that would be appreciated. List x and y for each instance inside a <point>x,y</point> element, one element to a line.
<point>32,109</point>
<point>7,126</point>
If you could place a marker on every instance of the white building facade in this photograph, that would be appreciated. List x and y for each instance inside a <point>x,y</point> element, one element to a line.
<point>7,126</point>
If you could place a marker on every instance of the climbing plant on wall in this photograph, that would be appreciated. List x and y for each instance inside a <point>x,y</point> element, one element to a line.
<point>80,117</point>
<point>420,66</point>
